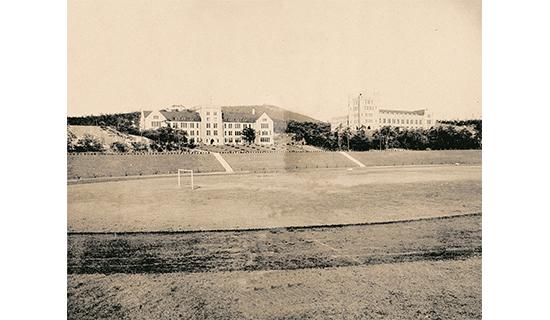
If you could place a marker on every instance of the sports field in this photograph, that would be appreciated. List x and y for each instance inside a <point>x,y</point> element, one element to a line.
<point>362,243</point>
<point>310,197</point>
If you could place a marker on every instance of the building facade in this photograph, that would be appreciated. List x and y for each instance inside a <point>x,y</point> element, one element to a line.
<point>211,125</point>
<point>366,111</point>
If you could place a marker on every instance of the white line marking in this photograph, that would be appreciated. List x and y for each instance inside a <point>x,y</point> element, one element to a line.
<point>224,163</point>
<point>345,154</point>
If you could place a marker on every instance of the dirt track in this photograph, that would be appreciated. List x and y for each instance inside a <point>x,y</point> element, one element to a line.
<point>275,249</point>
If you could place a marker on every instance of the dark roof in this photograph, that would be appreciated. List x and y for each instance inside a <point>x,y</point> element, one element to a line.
<point>146,113</point>
<point>183,115</point>
<point>417,112</point>
<point>240,117</point>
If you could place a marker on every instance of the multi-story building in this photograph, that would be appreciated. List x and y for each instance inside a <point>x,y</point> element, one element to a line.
<point>211,125</point>
<point>366,111</point>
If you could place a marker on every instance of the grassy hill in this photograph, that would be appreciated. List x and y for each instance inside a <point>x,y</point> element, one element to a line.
<point>279,115</point>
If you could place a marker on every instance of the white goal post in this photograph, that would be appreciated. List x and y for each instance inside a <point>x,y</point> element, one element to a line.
<point>183,171</point>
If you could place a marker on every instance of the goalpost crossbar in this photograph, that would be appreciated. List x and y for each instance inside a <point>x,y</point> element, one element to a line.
<point>180,171</point>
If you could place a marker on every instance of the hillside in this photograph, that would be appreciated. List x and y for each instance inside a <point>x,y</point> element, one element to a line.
<point>105,135</point>
<point>279,115</point>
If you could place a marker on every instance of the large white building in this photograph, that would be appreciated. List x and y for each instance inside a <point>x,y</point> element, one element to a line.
<point>366,111</point>
<point>210,125</point>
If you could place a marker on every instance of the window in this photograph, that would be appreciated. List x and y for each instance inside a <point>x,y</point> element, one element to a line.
<point>265,133</point>
<point>184,124</point>
<point>230,139</point>
<point>155,123</point>
<point>429,121</point>
<point>384,120</point>
<point>265,125</point>
<point>215,125</point>
<point>155,117</point>
<point>215,113</point>
<point>230,133</point>
<point>197,133</point>
<point>207,132</point>
<point>230,125</point>
<point>208,125</point>
<point>207,113</point>
<point>264,139</point>
<point>207,118</point>
<point>402,121</point>
<point>192,125</point>
<point>238,133</point>
<point>215,132</point>
<point>237,125</point>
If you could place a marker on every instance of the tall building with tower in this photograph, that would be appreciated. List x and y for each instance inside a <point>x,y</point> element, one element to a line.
<point>366,111</point>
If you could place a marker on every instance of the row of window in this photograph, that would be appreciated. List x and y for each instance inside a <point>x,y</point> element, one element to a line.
<point>403,121</point>
<point>208,125</point>
<point>237,125</point>
<point>238,139</point>
<point>183,125</point>
<point>191,132</point>
<point>208,132</point>
<point>231,140</point>
<point>230,133</point>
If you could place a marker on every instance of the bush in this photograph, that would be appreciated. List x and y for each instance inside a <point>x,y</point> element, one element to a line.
<point>118,146</point>
<point>89,143</point>
<point>139,146</point>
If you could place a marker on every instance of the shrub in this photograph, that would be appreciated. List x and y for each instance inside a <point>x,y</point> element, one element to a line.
<point>89,143</point>
<point>118,146</point>
<point>139,146</point>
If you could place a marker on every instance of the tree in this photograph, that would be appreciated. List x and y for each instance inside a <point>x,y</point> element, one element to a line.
<point>166,138</point>
<point>89,143</point>
<point>360,141</point>
<point>249,135</point>
<point>139,146</point>
<point>118,146</point>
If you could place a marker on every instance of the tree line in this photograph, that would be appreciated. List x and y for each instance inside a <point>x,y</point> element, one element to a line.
<point>162,139</point>
<point>449,135</point>
<point>122,122</point>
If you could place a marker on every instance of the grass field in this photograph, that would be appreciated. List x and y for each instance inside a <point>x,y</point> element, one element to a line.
<point>406,270</point>
<point>142,266</point>
<point>120,165</point>
<point>318,197</point>
<point>449,289</point>
<point>430,239</point>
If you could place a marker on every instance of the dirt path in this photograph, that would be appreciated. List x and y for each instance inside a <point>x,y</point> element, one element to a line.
<point>276,249</point>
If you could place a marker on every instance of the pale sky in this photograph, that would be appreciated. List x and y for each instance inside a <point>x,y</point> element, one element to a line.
<point>305,56</point>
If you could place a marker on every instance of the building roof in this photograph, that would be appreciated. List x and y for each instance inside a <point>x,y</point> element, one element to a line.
<point>417,112</point>
<point>181,115</point>
<point>146,113</point>
<point>239,117</point>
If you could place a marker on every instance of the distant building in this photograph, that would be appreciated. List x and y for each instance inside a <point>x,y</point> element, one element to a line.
<point>209,125</point>
<point>366,111</point>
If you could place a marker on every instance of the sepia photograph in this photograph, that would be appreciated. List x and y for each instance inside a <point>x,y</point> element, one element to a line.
<point>249,159</point>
